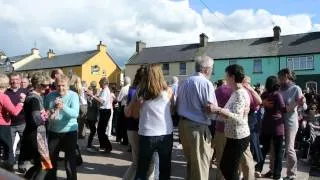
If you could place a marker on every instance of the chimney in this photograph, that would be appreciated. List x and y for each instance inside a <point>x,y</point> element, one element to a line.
<point>101,47</point>
<point>276,33</point>
<point>50,54</point>
<point>2,55</point>
<point>139,46</point>
<point>35,51</point>
<point>203,40</point>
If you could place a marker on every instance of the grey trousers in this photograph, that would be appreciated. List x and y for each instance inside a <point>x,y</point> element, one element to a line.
<point>14,130</point>
<point>82,120</point>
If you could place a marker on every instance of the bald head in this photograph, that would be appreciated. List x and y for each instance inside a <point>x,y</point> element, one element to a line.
<point>127,80</point>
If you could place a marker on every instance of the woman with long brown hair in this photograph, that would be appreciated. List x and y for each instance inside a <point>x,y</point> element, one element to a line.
<point>155,122</point>
<point>132,130</point>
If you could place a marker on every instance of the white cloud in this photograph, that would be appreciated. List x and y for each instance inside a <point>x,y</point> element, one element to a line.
<point>66,40</point>
<point>316,27</point>
<point>9,14</point>
<point>68,26</point>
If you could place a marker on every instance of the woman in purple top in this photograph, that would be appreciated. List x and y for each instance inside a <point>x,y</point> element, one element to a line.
<point>272,125</point>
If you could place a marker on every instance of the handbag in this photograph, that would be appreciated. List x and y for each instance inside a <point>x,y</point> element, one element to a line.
<point>132,109</point>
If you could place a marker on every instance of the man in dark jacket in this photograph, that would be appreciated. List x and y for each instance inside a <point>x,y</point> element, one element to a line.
<point>17,122</point>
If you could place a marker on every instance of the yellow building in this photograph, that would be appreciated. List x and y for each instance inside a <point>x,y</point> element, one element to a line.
<point>88,65</point>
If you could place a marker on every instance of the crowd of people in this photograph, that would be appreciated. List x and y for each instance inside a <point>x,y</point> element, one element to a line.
<point>234,124</point>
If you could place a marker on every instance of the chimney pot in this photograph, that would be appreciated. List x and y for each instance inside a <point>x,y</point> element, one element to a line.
<point>276,33</point>
<point>50,54</point>
<point>101,47</point>
<point>139,46</point>
<point>2,55</point>
<point>203,40</point>
<point>35,51</point>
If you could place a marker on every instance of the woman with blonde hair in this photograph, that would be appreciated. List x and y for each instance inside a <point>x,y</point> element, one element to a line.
<point>155,122</point>
<point>78,86</point>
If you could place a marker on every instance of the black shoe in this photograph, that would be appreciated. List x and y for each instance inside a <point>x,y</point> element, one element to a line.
<point>124,143</point>
<point>129,149</point>
<point>79,161</point>
<point>108,150</point>
<point>22,170</point>
<point>269,174</point>
<point>289,178</point>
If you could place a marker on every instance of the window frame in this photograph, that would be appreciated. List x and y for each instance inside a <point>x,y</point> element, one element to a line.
<point>254,67</point>
<point>183,71</point>
<point>295,63</point>
<point>166,72</point>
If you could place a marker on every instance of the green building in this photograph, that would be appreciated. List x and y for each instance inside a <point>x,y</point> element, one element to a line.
<point>260,57</point>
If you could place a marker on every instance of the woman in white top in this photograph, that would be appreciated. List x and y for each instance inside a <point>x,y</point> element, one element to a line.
<point>155,123</point>
<point>235,115</point>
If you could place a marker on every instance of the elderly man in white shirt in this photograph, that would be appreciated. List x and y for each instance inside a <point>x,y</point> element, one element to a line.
<point>121,121</point>
<point>194,94</point>
<point>105,113</point>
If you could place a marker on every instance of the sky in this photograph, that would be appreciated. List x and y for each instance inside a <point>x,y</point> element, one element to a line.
<point>68,26</point>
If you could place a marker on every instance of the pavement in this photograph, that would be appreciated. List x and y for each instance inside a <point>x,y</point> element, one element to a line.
<point>101,166</point>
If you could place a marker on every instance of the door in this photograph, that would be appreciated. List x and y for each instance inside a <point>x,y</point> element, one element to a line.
<point>312,85</point>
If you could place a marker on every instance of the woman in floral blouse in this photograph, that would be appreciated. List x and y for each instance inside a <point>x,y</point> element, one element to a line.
<point>235,116</point>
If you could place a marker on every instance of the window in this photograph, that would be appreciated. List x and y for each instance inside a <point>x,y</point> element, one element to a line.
<point>165,69</point>
<point>257,66</point>
<point>232,62</point>
<point>300,63</point>
<point>95,69</point>
<point>183,68</point>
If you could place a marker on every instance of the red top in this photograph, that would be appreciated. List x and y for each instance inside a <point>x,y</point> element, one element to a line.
<point>7,108</point>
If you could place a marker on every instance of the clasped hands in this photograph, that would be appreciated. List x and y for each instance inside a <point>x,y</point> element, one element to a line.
<point>214,109</point>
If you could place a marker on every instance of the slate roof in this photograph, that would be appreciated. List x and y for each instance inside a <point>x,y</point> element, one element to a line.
<point>165,54</point>
<point>18,58</point>
<point>14,59</point>
<point>305,43</point>
<point>65,60</point>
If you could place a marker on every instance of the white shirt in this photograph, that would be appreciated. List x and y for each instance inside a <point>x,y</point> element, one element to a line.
<point>112,99</point>
<point>194,94</point>
<point>105,95</point>
<point>236,126</point>
<point>155,116</point>
<point>123,95</point>
<point>83,99</point>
